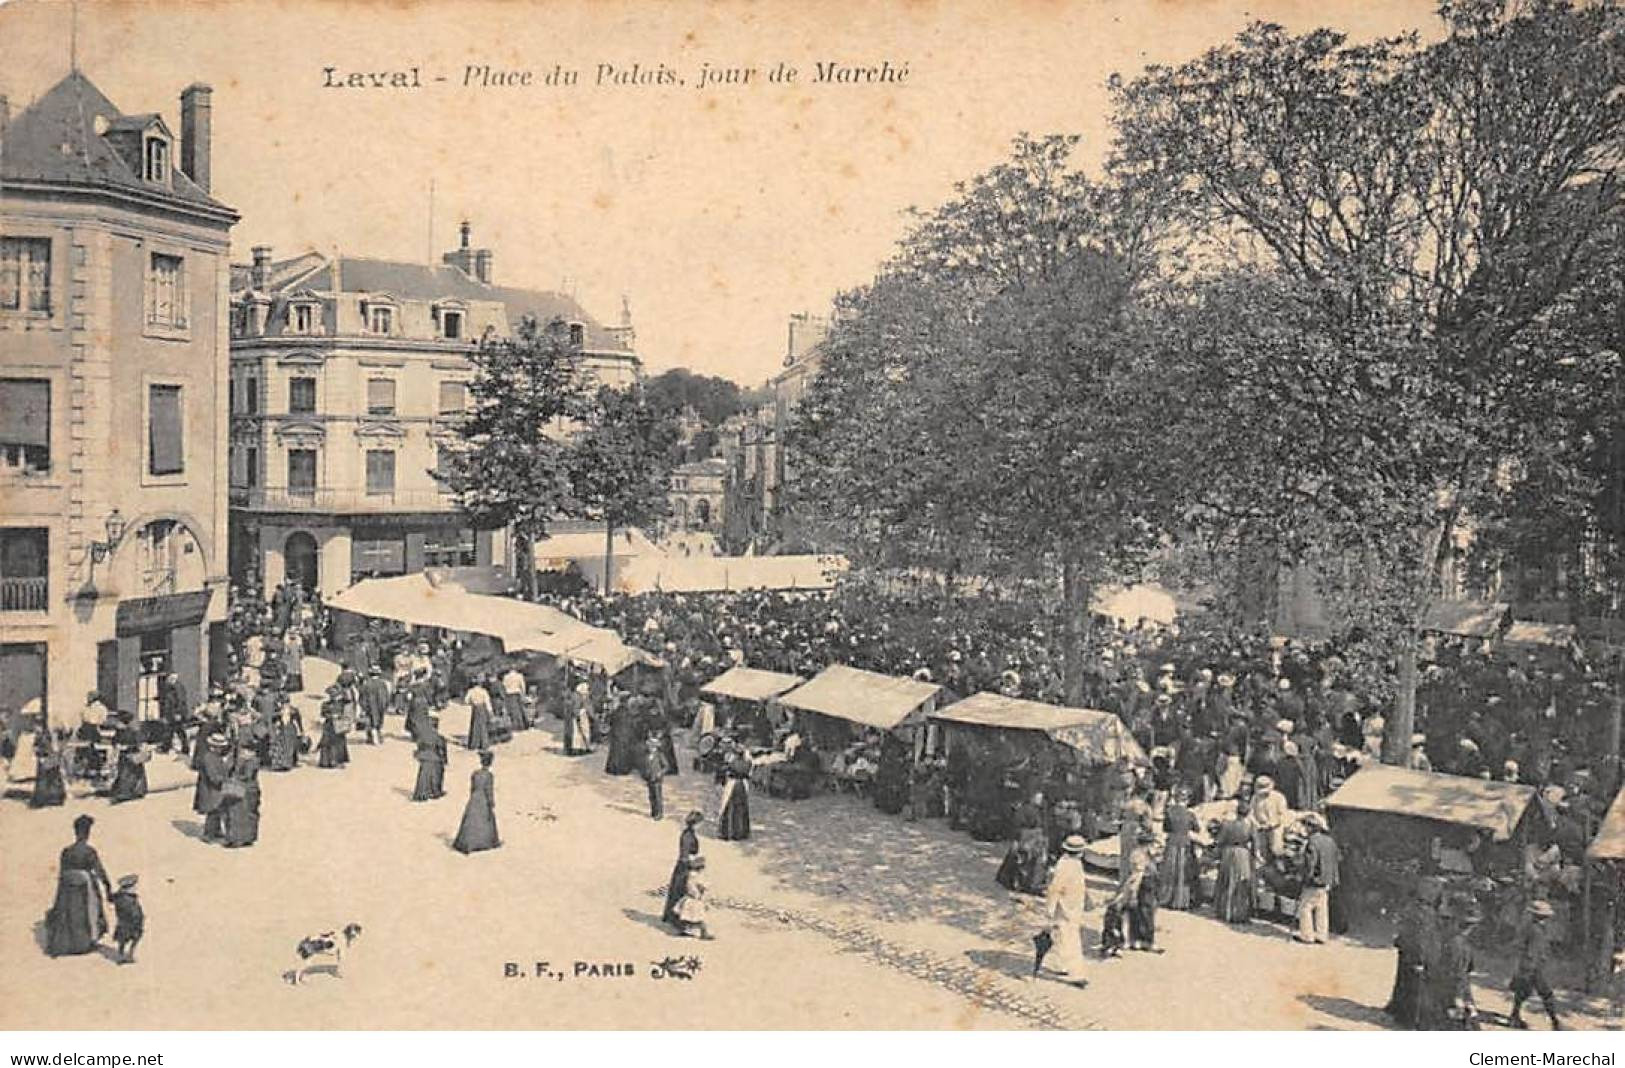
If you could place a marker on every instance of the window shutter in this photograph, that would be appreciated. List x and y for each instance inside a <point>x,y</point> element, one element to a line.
<point>165,455</point>
<point>25,412</point>
<point>380,396</point>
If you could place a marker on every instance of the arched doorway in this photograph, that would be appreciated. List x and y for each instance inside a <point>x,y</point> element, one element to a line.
<point>301,561</point>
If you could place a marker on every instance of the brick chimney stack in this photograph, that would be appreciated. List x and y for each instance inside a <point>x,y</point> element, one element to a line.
<point>462,257</point>
<point>196,123</point>
<point>5,118</point>
<point>260,276</point>
<point>482,265</point>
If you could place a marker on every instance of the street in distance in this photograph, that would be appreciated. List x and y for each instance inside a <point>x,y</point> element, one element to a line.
<point>486,76</point>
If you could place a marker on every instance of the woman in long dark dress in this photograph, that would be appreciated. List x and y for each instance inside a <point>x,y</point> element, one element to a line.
<point>1177,882</point>
<point>431,757</point>
<point>1417,938</point>
<point>49,788</point>
<point>688,844</point>
<point>243,817</point>
<point>77,919</point>
<point>1233,889</point>
<point>334,748</point>
<point>479,827</point>
<point>130,782</point>
<point>282,750</point>
<point>733,823</point>
<point>622,758</point>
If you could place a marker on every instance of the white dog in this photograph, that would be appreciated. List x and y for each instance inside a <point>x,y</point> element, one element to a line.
<point>329,945</point>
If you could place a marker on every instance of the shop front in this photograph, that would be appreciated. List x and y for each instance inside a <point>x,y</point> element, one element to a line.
<point>154,636</point>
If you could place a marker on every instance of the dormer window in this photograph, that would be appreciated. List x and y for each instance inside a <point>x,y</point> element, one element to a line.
<point>578,335</point>
<point>451,325</point>
<point>155,157</point>
<point>304,317</point>
<point>378,315</point>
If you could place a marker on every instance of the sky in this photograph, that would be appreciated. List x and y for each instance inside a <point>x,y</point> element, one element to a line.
<point>716,211</point>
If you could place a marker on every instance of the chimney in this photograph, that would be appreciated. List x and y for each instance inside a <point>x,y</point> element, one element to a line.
<point>462,257</point>
<point>195,131</point>
<point>260,276</point>
<point>5,119</point>
<point>482,265</point>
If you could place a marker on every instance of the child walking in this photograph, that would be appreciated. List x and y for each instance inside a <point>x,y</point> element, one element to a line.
<point>132,921</point>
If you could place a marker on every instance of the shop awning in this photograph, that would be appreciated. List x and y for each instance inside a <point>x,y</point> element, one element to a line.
<point>751,684</point>
<point>864,697</point>
<point>1098,735</point>
<point>1610,841</point>
<point>418,601</point>
<point>1491,806</point>
<point>1469,619</point>
<point>705,574</point>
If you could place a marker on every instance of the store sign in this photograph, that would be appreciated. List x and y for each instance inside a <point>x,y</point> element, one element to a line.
<point>138,614</point>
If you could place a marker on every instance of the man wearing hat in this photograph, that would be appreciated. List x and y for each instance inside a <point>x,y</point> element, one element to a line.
<point>209,795</point>
<point>1418,760</point>
<point>1269,812</point>
<point>1065,901</point>
<point>374,698</point>
<point>1319,871</point>
<point>1448,975</point>
<point>1534,963</point>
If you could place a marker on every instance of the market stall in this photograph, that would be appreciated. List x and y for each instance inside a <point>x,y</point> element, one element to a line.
<point>864,728</point>
<point>1396,825</point>
<point>742,696</point>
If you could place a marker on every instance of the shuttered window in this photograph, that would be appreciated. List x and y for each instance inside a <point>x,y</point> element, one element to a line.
<point>380,396</point>
<point>453,397</point>
<point>165,447</point>
<point>380,471</point>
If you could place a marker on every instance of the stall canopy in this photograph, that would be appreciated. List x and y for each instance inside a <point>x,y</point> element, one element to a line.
<point>1134,603</point>
<point>1469,619</point>
<point>519,625</point>
<point>1099,736</point>
<point>420,601</point>
<point>1525,632</point>
<point>1610,841</point>
<point>864,697</point>
<point>716,574</point>
<point>751,684</point>
<point>1496,807</point>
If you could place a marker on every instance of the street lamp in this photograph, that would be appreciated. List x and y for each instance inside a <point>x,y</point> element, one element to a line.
<point>99,550</point>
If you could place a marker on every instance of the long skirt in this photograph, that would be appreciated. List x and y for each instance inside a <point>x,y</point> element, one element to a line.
<point>431,784</point>
<point>1066,949</point>
<point>1142,919</point>
<point>622,758</point>
<point>1177,880</point>
<point>675,890</point>
<point>1405,1002</point>
<point>335,750</point>
<point>243,820</point>
<point>284,749</point>
<point>76,919</point>
<point>515,706</point>
<point>478,831</point>
<point>1233,889</point>
<point>479,728</point>
<point>131,781</point>
<point>49,789</point>
<point>733,824</point>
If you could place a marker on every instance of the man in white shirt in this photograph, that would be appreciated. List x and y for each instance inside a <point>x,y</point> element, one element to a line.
<point>513,698</point>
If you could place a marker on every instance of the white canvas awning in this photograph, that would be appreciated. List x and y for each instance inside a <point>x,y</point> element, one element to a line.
<point>1469,619</point>
<point>418,601</point>
<point>1492,806</point>
<point>751,684</point>
<point>1526,632</point>
<point>864,697</point>
<point>1098,735</point>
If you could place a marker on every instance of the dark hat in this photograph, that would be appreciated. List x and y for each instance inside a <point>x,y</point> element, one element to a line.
<point>83,823</point>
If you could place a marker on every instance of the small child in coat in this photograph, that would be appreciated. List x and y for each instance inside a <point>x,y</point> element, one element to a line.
<point>131,920</point>
<point>693,908</point>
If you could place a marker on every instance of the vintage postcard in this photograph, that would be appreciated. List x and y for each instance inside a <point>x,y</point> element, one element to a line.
<point>848,516</point>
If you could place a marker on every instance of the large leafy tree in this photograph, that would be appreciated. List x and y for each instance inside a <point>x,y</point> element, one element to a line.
<point>980,411</point>
<point>1414,216</point>
<point>508,457</point>
<point>619,464</point>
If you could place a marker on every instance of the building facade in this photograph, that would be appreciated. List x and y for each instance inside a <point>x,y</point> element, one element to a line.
<point>347,377</point>
<point>114,264</point>
<point>696,496</point>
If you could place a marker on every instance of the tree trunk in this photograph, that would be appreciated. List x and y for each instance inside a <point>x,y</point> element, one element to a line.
<point>1075,607</point>
<point>609,557</point>
<point>1401,724</point>
<point>523,563</point>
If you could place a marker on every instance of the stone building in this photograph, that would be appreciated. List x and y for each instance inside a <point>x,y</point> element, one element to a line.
<point>696,496</point>
<point>346,376</point>
<point>113,355</point>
